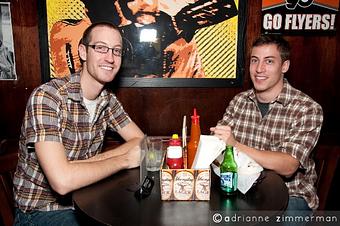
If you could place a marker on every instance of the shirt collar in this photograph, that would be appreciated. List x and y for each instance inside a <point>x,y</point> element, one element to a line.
<point>75,92</point>
<point>74,89</point>
<point>283,98</point>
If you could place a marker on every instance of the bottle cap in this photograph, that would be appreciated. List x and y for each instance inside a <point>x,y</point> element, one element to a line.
<point>195,117</point>
<point>174,136</point>
<point>175,141</point>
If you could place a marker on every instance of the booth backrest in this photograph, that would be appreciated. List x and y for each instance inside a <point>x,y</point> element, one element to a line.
<point>326,159</point>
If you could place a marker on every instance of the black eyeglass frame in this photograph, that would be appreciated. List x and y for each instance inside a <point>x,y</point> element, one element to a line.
<point>114,49</point>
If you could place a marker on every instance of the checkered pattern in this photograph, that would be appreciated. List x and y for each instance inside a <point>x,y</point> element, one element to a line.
<point>292,125</point>
<point>56,112</point>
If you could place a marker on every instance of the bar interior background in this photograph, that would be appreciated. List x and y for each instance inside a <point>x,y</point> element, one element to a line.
<point>315,69</point>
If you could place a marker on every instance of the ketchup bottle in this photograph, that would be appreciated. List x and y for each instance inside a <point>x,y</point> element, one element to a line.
<point>194,138</point>
<point>174,157</point>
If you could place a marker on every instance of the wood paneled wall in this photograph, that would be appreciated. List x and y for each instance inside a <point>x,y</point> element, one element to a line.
<point>14,94</point>
<point>315,69</point>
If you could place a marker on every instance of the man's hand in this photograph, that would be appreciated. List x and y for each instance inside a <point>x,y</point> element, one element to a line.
<point>133,157</point>
<point>282,163</point>
<point>224,133</point>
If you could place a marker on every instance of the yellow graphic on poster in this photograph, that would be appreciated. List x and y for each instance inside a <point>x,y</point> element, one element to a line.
<point>218,45</point>
<point>162,38</point>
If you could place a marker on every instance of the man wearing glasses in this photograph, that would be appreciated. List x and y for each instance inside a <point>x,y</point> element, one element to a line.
<point>63,131</point>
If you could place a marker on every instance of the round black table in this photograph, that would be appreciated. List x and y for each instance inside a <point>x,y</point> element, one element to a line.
<point>112,202</point>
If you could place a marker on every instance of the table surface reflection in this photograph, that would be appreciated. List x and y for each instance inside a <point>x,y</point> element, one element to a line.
<point>112,201</point>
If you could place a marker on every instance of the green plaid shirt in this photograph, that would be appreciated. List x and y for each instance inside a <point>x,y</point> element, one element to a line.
<point>56,112</point>
<point>292,125</point>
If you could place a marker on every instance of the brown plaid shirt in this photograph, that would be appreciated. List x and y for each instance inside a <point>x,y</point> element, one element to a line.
<point>292,125</point>
<point>56,112</point>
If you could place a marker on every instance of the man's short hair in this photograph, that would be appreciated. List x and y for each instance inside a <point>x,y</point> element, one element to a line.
<point>282,45</point>
<point>86,38</point>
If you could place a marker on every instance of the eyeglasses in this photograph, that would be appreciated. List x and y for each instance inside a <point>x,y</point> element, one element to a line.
<point>104,49</point>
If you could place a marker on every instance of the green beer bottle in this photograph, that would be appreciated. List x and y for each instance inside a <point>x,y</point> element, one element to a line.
<point>228,172</point>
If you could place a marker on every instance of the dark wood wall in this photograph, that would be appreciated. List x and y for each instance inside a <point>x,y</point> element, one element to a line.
<point>14,94</point>
<point>315,69</point>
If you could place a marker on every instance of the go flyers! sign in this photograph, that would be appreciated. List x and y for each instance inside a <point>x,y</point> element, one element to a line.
<point>299,16</point>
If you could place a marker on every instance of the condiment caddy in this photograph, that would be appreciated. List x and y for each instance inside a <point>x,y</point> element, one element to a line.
<point>185,183</point>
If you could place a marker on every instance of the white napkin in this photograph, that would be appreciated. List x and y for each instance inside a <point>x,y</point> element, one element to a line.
<point>248,170</point>
<point>208,149</point>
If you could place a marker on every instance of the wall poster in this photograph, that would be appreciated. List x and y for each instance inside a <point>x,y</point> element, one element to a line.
<point>7,56</point>
<point>299,16</point>
<point>167,43</point>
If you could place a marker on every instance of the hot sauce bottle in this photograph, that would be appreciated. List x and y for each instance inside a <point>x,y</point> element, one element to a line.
<point>194,138</point>
<point>174,158</point>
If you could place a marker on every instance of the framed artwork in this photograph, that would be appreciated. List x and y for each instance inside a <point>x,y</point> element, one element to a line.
<point>7,56</point>
<point>167,43</point>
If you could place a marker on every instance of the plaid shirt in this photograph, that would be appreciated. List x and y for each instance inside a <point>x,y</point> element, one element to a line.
<point>292,125</point>
<point>56,112</point>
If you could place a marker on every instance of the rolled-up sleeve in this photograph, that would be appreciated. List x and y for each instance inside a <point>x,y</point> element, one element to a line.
<point>303,134</point>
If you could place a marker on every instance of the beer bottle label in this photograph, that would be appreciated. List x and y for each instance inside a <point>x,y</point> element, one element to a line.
<point>227,179</point>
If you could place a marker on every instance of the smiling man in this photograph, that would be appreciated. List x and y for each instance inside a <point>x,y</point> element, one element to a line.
<point>63,131</point>
<point>276,124</point>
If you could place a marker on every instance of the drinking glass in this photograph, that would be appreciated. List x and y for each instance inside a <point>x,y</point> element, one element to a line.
<point>154,154</point>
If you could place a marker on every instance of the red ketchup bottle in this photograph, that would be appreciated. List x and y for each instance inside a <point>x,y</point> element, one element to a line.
<point>174,157</point>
